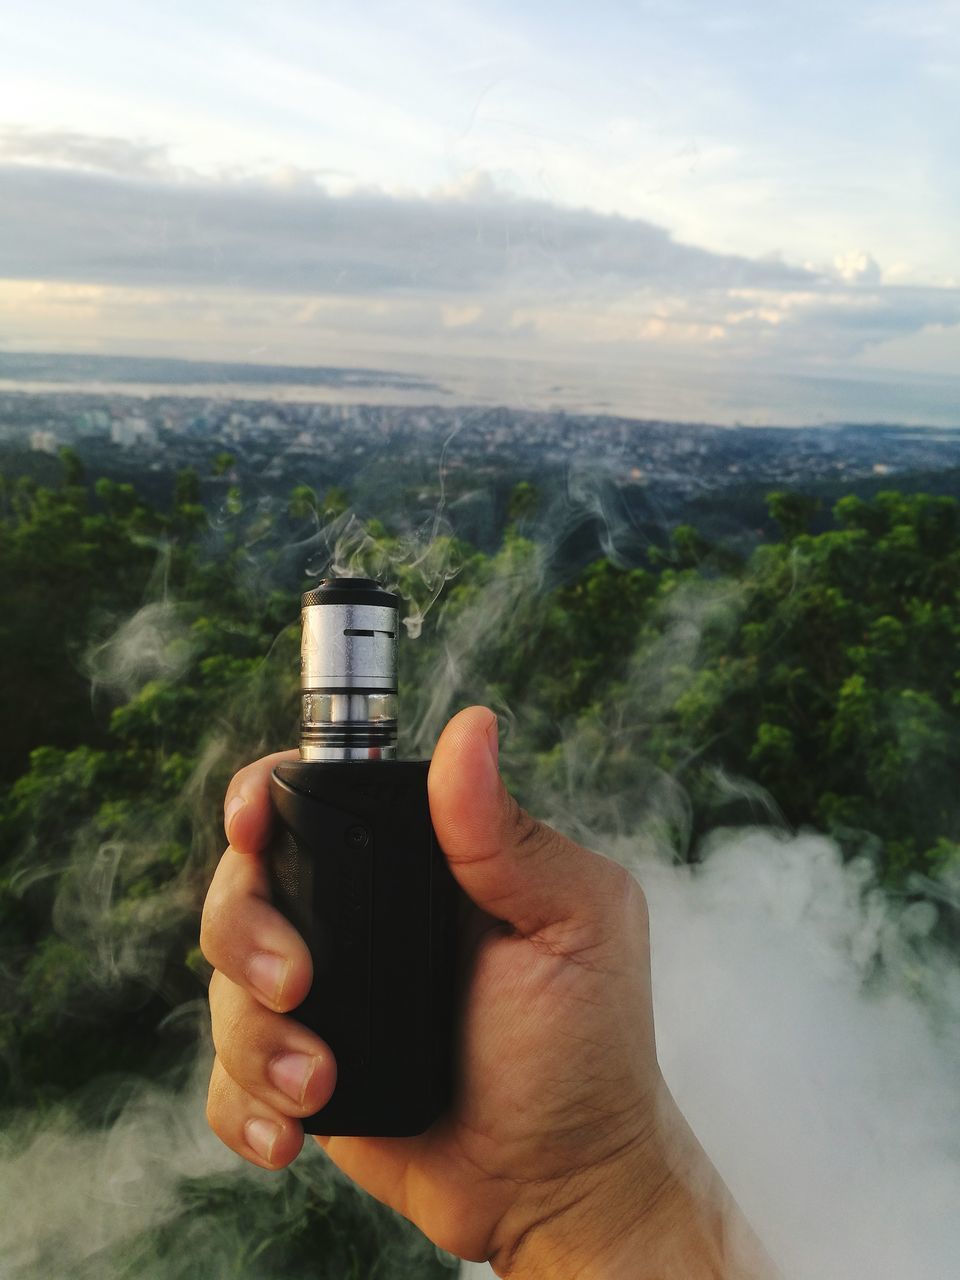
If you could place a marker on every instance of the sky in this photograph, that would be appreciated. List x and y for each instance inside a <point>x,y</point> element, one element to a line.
<point>756,188</point>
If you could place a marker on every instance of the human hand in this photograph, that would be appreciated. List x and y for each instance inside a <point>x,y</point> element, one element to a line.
<point>563,1154</point>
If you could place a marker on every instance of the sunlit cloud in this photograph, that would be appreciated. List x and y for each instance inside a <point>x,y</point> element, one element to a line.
<point>78,151</point>
<point>857,267</point>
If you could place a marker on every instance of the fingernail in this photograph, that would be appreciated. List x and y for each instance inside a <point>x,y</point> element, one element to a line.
<point>262,1136</point>
<point>268,973</point>
<point>231,811</point>
<point>292,1073</point>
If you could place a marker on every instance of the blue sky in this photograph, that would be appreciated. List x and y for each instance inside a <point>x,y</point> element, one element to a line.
<point>801,161</point>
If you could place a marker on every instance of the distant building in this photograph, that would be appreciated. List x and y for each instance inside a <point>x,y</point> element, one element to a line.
<point>93,422</point>
<point>127,432</point>
<point>44,442</point>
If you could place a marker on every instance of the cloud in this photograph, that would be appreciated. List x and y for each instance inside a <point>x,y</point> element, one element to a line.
<point>857,267</point>
<point>839,320</point>
<point>99,229</point>
<point>63,148</point>
<point>93,227</point>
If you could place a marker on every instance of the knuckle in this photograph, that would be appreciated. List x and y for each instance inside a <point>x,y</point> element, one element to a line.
<point>230,1034</point>
<point>621,882</point>
<point>246,1040</point>
<point>621,903</point>
<point>215,989</point>
<point>213,923</point>
<point>618,888</point>
<point>215,1098</point>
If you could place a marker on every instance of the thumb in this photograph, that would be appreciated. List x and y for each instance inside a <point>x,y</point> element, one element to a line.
<point>508,863</point>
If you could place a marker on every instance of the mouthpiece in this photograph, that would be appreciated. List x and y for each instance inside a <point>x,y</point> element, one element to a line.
<point>348,671</point>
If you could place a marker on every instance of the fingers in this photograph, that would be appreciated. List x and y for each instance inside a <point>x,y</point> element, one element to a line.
<point>269,1069</point>
<point>248,940</point>
<point>509,864</point>
<point>246,807</point>
<point>253,1129</point>
<point>273,1058</point>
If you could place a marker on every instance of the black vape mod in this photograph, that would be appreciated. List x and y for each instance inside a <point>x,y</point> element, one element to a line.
<point>356,867</point>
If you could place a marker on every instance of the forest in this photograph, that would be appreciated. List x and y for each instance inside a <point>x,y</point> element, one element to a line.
<point>809,682</point>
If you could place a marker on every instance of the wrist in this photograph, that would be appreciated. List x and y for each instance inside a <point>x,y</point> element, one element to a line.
<point>658,1207</point>
<point>592,1229</point>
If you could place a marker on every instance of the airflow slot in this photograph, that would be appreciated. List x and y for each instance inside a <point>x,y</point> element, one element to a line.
<point>353,631</point>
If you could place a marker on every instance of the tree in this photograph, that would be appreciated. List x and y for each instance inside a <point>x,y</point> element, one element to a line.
<point>793,512</point>
<point>223,463</point>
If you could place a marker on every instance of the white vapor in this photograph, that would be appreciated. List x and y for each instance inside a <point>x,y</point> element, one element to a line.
<point>824,1086</point>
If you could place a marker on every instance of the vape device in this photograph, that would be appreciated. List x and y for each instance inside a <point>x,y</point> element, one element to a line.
<point>355,866</point>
